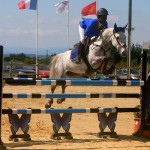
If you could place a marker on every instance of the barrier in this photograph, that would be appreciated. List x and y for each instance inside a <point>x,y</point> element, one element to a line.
<point>64,119</point>
<point>68,110</point>
<point>71,95</point>
<point>77,82</point>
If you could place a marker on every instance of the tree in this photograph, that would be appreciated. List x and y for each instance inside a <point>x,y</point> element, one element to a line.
<point>28,60</point>
<point>135,55</point>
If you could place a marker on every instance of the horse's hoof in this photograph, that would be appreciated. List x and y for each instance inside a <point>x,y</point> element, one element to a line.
<point>47,105</point>
<point>59,101</point>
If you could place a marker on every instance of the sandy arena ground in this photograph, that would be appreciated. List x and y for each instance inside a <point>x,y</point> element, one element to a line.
<point>84,127</point>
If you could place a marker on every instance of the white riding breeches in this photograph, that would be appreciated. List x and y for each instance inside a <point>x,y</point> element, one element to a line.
<point>81,33</point>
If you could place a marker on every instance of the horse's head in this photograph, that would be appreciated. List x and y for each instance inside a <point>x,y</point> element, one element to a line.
<point>118,39</point>
<point>100,54</point>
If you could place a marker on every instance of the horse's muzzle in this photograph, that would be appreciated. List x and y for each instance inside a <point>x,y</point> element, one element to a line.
<point>123,51</point>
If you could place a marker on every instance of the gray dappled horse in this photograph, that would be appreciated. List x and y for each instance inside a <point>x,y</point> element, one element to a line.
<point>96,59</point>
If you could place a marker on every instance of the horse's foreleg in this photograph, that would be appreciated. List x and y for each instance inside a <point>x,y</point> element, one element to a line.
<point>60,100</point>
<point>50,101</point>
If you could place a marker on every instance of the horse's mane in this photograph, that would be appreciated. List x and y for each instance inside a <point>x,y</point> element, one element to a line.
<point>107,29</point>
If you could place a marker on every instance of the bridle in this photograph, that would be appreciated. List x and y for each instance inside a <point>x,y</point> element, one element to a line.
<point>94,44</point>
<point>123,46</point>
<point>105,50</point>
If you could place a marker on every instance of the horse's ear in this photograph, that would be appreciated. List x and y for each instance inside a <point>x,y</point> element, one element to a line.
<point>115,27</point>
<point>125,26</point>
<point>119,29</point>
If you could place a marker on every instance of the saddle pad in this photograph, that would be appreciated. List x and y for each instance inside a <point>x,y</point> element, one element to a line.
<point>73,54</point>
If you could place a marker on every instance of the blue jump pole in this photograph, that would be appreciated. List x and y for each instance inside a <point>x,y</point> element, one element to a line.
<point>76,82</point>
<point>67,110</point>
<point>71,95</point>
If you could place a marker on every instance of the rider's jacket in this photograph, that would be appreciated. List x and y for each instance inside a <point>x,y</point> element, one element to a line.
<point>89,26</point>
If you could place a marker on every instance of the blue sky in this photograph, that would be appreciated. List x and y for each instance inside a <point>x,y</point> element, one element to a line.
<point>18,27</point>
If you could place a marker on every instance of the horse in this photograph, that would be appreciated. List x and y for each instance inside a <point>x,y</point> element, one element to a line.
<point>97,58</point>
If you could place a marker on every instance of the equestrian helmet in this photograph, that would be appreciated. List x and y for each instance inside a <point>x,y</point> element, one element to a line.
<point>102,11</point>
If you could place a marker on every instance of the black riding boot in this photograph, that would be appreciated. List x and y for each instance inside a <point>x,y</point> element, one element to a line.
<point>80,49</point>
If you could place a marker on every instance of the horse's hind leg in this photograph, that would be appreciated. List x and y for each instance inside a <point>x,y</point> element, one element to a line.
<point>60,100</point>
<point>50,101</point>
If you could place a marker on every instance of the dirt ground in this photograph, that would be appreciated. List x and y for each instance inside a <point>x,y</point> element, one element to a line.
<point>84,127</point>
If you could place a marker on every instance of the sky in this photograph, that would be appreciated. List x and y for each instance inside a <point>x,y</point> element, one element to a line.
<point>18,27</point>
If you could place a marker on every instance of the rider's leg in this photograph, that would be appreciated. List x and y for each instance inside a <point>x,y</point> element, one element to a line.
<point>81,45</point>
<point>80,49</point>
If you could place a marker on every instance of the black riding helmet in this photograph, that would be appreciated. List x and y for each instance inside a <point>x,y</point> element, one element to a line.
<point>102,15</point>
<point>102,11</point>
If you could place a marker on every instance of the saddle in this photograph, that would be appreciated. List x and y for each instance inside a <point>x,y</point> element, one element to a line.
<point>84,53</point>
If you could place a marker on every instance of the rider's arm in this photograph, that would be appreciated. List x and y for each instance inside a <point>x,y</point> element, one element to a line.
<point>91,28</point>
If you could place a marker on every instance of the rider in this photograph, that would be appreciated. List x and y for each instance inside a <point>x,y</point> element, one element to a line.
<point>89,27</point>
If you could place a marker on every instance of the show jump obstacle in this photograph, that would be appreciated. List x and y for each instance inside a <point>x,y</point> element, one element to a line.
<point>61,117</point>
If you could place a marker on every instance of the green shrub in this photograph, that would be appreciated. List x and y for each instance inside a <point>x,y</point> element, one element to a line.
<point>138,114</point>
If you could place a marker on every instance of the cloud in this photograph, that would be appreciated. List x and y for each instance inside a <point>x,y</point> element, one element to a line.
<point>75,21</point>
<point>40,21</point>
<point>113,19</point>
<point>47,32</point>
<point>16,32</point>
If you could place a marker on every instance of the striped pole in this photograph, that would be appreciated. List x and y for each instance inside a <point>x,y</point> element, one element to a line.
<point>71,95</point>
<point>67,110</point>
<point>77,82</point>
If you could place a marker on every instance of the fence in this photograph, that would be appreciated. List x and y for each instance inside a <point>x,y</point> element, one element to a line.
<point>64,120</point>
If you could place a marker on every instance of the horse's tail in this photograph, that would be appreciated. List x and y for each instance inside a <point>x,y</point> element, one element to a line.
<point>52,66</point>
